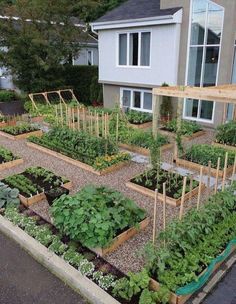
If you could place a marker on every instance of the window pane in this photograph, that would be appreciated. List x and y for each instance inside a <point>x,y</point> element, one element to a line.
<point>230,112</point>
<point>133,49</point>
<point>123,49</point>
<point>126,100</point>
<point>211,64</point>
<point>195,66</point>
<point>145,49</point>
<point>137,100</point>
<point>215,24</point>
<point>206,109</point>
<point>198,22</point>
<point>191,108</point>
<point>147,102</point>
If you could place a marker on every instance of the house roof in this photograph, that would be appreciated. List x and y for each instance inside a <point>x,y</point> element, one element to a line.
<point>137,9</point>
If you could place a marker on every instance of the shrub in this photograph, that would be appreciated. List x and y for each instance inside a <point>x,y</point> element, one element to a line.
<point>7,96</point>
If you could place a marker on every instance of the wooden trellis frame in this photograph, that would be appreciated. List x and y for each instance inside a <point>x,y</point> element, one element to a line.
<point>224,94</point>
<point>45,95</point>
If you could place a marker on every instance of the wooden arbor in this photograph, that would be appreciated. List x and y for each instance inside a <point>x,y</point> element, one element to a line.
<point>223,94</point>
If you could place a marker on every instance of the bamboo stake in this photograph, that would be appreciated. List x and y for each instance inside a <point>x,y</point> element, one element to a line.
<point>61,112</point>
<point>191,188</point>
<point>164,209</point>
<point>234,170</point>
<point>108,129</point>
<point>209,178</point>
<point>103,124</point>
<point>155,218</point>
<point>225,170</point>
<point>117,127</point>
<point>97,125</point>
<point>182,199</point>
<point>217,175</point>
<point>78,119</point>
<point>199,189</point>
<point>84,127</point>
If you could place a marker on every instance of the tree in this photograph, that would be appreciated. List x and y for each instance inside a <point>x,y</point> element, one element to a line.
<point>34,47</point>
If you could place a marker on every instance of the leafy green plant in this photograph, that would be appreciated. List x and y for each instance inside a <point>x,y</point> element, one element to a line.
<point>137,117</point>
<point>7,96</point>
<point>6,155</point>
<point>57,246</point>
<point>155,297</point>
<point>8,196</point>
<point>126,288</point>
<point>20,129</point>
<point>104,162</point>
<point>73,257</point>
<point>202,154</point>
<point>95,216</point>
<point>188,128</point>
<point>226,134</point>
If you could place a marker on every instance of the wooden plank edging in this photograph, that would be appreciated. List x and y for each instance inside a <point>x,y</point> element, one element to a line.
<point>77,163</point>
<point>11,164</point>
<point>232,148</point>
<point>21,136</point>
<point>120,239</point>
<point>143,151</point>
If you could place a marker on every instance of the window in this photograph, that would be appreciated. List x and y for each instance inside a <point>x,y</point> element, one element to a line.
<point>134,49</point>
<point>204,51</point>
<point>136,99</point>
<point>90,57</point>
<point>231,109</point>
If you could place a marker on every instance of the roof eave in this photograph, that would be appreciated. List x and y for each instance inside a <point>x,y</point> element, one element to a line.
<point>168,19</point>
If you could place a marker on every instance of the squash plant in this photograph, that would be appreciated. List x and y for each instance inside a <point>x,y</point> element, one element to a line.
<point>94,216</point>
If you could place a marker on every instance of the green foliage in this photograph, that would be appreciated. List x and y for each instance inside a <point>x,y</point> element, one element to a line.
<point>94,216</point>
<point>166,108</point>
<point>8,196</point>
<point>202,154</point>
<point>57,246</point>
<point>190,248</point>
<point>126,288</point>
<point>226,134</point>
<point>73,257</point>
<point>7,96</point>
<point>188,128</point>
<point>96,90</point>
<point>137,117</point>
<point>78,145</point>
<point>7,155</point>
<point>36,49</point>
<point>20,129</point>
<point>158,297</point>
<point>104,162</point>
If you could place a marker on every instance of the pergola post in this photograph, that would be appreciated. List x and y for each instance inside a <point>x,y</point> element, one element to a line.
<point>156,101</point>
<point>179,123</point>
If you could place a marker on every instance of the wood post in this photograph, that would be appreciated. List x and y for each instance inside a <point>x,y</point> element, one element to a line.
<point>117,127</point>
<point>209,178</point>
<point>155,218</point>
<point>234,170</point>
<point>225,170</point>
<point>156,101</point>
<point>181,212</point>
<point>191,188</point>
<point>199,189</point>
<point>217,174</point>
<point>97,125</point>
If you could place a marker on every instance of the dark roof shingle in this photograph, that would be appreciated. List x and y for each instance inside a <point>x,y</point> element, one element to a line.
<point>137,9</point>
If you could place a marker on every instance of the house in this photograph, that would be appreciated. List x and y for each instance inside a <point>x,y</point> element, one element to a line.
<point>88,55</point>
<point>143,44</point>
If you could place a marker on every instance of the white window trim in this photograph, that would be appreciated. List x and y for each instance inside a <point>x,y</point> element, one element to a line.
<point>92,61</point>
<point>139,66</point>
<point>204,46</point>
<point>132,90</point>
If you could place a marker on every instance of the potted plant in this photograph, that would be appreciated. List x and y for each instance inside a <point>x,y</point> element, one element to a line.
<point>166,109</point>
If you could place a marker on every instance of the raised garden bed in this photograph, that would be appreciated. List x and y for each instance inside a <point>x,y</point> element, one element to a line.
<point>96,155</point>
<point>226,136</point>
<point>224,146</point>
<point>200,155</point>
<point>121,238</point>
<point>139,120</point>
<point>146,184</point>
<point>8,160</point>
<point>20,131</point>
<point>143,151</point>
<point>33,182</point>
<point>144,125</point>
<point>107,219</point>
<point>6,121</point>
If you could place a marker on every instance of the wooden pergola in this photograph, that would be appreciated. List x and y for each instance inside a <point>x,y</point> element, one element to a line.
<point>225,94</point>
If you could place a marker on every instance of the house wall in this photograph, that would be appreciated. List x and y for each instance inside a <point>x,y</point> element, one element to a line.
<point>82,59</point>
<point>227,48</point>
<point>164,45</point>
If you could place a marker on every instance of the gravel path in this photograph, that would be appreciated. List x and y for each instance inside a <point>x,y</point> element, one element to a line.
<point>125,257</point>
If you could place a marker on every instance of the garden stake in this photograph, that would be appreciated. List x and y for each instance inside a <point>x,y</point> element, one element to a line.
<point>155,218</point>
<point>108,128</point>
<point>209,178</point>
<point>102,124</point>
<point>234,170</point>
<point>117,127</point>
<point>56,115</point>
<point>191,188</point>
<point>78,119</point>
<point>61,112</point>
<point>164,209</point>
<point>217,174</point>
<point>225,170</point>
<point>97,125</point>
<point>199,189</point>
<point>181,212</point>
<point>84,119</point>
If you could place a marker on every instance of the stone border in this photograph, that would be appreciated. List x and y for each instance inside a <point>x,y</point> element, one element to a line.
<point>56,265</point>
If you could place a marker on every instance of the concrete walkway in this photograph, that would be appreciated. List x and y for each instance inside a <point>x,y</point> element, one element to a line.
<point>24,281</point>
<point>225,291</point>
